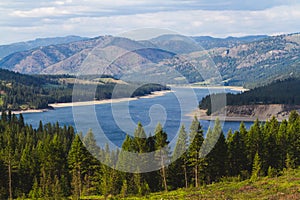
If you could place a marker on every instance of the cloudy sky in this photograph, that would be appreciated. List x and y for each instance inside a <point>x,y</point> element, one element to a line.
<point>28,19</point>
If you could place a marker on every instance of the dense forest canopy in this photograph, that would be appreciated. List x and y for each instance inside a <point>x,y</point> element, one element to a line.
<point>279,92</point>
<point>52,162</point>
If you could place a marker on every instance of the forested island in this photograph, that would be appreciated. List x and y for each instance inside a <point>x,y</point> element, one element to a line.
<point>23,92</point>
<point>52,162</point>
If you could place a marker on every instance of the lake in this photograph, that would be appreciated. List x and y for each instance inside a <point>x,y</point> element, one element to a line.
<point>110,122</point>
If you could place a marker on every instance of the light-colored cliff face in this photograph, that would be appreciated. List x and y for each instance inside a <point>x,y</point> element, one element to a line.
<point>250,112</point>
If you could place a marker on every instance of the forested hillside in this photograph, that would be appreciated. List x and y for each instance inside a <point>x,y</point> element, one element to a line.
<point>52,162</point>
<point>285,92</point>
<point>22,92</point>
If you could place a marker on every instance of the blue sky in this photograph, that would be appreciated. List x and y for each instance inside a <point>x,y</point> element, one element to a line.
<point>22,20</point>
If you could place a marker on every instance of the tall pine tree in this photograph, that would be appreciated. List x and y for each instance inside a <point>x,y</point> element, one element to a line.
<point>162,152</point>
<point>196,139</point>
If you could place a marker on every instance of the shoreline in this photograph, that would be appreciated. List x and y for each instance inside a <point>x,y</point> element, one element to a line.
<point>235,88</point>
<point>87,103</point>
<point>107,101</point>
<point>201,115</point>
<point>17,112</point>
<point>119,100</point>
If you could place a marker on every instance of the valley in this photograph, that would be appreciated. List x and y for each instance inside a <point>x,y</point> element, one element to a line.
<point>109,98</point>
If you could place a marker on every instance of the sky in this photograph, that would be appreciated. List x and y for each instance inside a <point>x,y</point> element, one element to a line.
<point>22,20</point>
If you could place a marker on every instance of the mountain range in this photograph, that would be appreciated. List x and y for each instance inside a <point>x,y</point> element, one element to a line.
<point>6,50</point>
<point>247,61</point>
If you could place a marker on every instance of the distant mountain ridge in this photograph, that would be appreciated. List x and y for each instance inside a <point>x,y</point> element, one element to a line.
<point>208,42</point>
<point>8,49</point>
<point>246,61</point>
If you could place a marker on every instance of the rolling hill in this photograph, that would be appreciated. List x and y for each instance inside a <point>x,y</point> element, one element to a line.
<point>248,61</point>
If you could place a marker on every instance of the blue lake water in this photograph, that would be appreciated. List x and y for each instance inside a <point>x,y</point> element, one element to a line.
<point>110,122</point>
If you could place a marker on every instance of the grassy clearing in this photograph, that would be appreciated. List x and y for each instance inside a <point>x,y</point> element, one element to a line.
<point>283,187</point>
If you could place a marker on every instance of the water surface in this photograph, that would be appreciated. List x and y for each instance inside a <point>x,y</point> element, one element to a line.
<point>110,122</point>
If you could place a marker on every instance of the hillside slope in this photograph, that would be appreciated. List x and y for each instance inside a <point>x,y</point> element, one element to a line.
<point>102,55</point>
<point>283,187</point>
<point>249,61</point>
<point>259,62</point>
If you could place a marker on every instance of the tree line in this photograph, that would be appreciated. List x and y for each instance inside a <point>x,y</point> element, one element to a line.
<point>52,162</point>
<point>279,92</point>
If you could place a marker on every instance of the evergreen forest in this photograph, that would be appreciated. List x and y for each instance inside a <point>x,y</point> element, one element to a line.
<point>53,162</point>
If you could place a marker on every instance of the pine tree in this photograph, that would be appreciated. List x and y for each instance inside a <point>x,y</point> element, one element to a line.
<point>271,154</point>
<point>253,142</point>
<point>281,140</point>
<point>293,137</point>
<point>140,139</point>
<point>9,158</point>
<point>196,140</point>
<point>237,158</point>
<point>162,152</point>
<point>180,159</point>
<point>217,157</point>
<point>90,143</point>
<point>77,161</point>
<point>125,162</point>
<point>108,174</point>
<point>91,177</point>
<point>256,168</point>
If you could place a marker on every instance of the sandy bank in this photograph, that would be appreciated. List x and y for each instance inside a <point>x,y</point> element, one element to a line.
<point>107,101</point>
<point>86,103</point>
<point>28,111</point>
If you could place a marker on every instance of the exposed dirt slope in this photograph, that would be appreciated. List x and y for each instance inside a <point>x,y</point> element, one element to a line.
<point>250,112</point>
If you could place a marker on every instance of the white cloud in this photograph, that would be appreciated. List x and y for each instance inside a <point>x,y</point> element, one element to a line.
<point>59,3</point>
<point>40,12</point>
<point>216,23</point>
<point>95,17</point>
<point>52,11</point>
